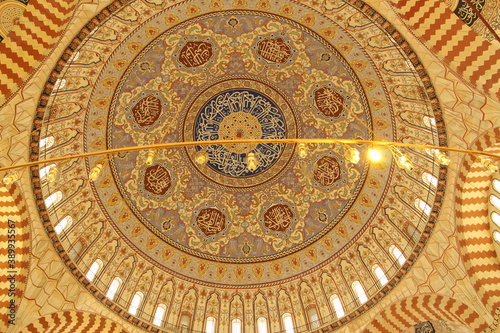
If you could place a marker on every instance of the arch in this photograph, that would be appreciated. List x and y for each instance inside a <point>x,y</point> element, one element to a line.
<point>113,288</point>
<point>185,322</point>
<point>423,206</point>
<point>74,321</point>
<point>429,179</point>
<point>379,273</point>
<point>53,199</point>
<point>262,325</point>
<point>288,325</point>
<point>337,306</point>
<point>210,325</point>
<point>313,318</point>
<point>397,254</point>
<point>473,226</point>
<point>94,269</point>
<point>64,223</point>
<point>236,325</point>
<point>160,314</point>
<point>136,303</point>
<point>46,143</point>
<point>360,292</point>
<point>404,314</point>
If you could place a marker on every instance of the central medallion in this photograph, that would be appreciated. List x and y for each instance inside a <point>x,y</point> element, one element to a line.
<point>238,109</point>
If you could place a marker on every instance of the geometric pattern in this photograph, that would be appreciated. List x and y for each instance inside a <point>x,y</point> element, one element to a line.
<point>73,322</point>
<point>474,234</point>
<point>467,53</point>
<point>33,38</point>
<point>410,311</point>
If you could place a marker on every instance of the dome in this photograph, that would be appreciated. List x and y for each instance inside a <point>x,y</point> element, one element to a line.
<point>219,242</point>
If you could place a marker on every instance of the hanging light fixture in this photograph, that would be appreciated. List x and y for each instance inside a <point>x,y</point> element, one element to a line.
<point>150,157</point>
<point>201,157</point>
<point>302,150</point>
<point>441,157</point>
<point>374,155</point>
<point>352,155</point>
<point>52,175</point>
<point>252,162</point>
<point>488,164</point>
<point>402,160</point>
<point>94,173</point>
<point>11,178</point>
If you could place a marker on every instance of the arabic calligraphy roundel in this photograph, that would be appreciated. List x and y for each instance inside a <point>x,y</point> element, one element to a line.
<point>240,108</point>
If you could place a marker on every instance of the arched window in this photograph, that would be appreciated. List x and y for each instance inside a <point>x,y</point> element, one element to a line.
<point>113,288</point>
<point>337,306</point>
<point>75,250</point>
<point>495,201</point>
<point>495,217</point>
<point>74,57</point>
<point>423,206</point>
<point>136,302</point>
<point>185,322</point>
<point>288,322</point>
<point>210,325</point>
<point>360,291</point>
<point>496,236</point>
<point>46,142</point>
<point>312,315</point>
<point>63,224</point>
<point>496,185</point>
<point>236,326</point>
<point>379,273</point>
<point>60,83</point>
<point>429,121</point>
<point>94,268</point>
<point>159,314</point>
<point>262,325</point>
<point>397,254</point>
<point>429,179</point>
<point>53,199</point>
<point>45,170</point>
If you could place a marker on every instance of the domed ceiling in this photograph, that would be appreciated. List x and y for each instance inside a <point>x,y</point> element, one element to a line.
<point>284,237</point>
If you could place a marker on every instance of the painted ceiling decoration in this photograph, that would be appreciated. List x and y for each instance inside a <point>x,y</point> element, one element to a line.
<point>217,239</point>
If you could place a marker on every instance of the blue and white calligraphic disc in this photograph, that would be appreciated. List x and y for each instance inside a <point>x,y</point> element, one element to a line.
<point>240,108</point>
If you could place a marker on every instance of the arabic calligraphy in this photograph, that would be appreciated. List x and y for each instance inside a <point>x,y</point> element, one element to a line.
<point>147,111</point>
<point>157,180</point>
<point>240,114</point>
<point>327,171</point>
<point>274,50</point>
<point>466,13</point>
<point>329,102</point>
<point>211,221</point>
<point>278,218</point>
<point>195,54</point>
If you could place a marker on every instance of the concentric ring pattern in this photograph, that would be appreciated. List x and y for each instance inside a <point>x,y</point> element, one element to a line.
<point>292,231</point>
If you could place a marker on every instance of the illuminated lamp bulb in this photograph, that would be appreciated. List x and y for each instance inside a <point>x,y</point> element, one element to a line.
<point>488,164</point>
<point>441,157</point>
<point>252,162</point>
<point>150,157</point>
<point>10,178</point>
<point>52,175</point>
<point>201,157</point>
<point>352,155</point>
<point>94,173</point>
<point>374,155</point>
<point>302,150</point>
<point>403,161</point>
